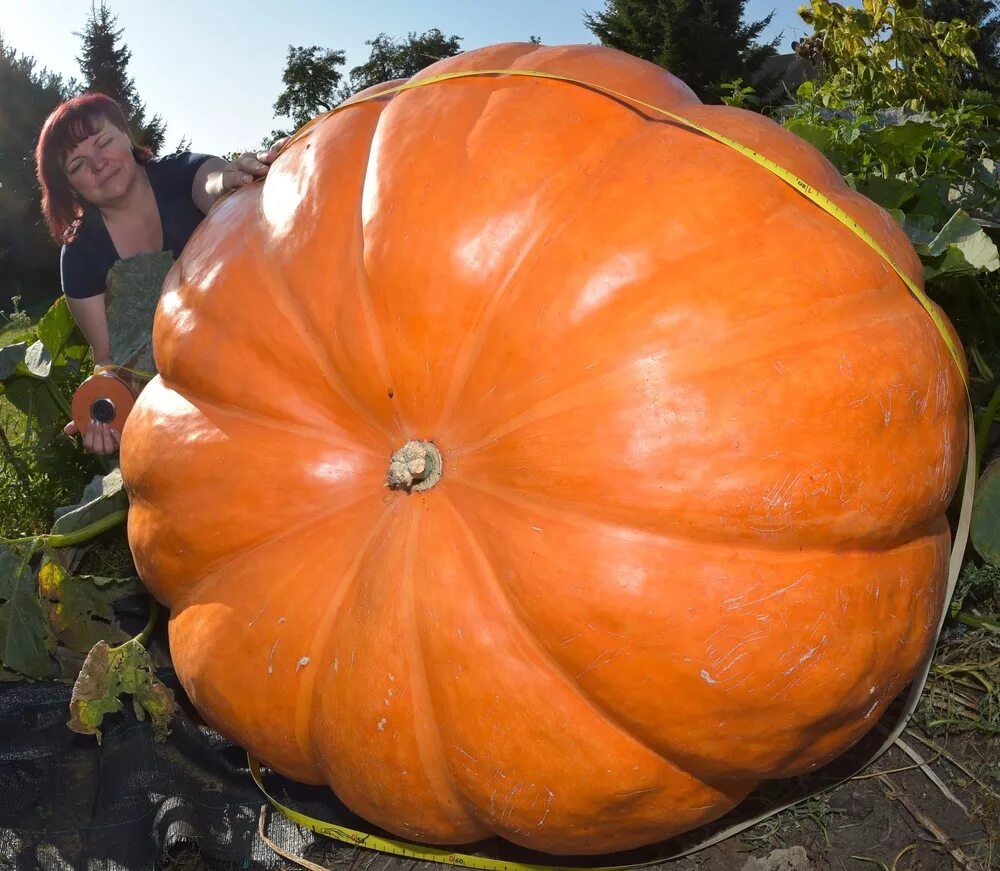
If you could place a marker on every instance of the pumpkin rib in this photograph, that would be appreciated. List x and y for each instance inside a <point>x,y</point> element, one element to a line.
<point>748,332</point>
<point>478,334</point>
<point>261,419</point>
<point>575,515</point>
<point>479,551</point>
<point>319,350</point>
<point>216,566</point>
<point>420,683</point>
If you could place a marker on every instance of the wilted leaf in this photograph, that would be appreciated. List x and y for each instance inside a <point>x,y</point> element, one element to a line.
<point>985,531</point>
<point>109,673</point>
<point>80,611</point>
<point>25,640</point>
<point>133,291</point>
<point>38,360</point>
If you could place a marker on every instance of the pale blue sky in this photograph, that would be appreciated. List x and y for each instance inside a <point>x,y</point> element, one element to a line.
<point>213,70</point>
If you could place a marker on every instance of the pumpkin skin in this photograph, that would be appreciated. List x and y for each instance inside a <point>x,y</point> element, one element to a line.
<point>697,443</point>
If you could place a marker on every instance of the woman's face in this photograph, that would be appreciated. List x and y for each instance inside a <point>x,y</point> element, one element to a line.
<point>101,168</point>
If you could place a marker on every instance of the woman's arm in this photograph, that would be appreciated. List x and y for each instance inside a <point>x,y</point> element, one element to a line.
<point>92,319</point>
<point>215,175</point>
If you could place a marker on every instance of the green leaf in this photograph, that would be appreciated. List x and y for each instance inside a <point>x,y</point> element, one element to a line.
<point>25,640</point>
<point>109,673</point>
<point>985,531</point>
<point>133,291</point>
<point>890,193</point>
<point>11,356</point>
<point>104,495</point>
<point>966,247</point>
<point>902,143</point>
<point>38,360</point>
<point>814,134</point>
<point>32,397</point>
<point>57,328</point>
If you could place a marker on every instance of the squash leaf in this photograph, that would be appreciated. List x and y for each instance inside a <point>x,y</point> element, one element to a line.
<point>985,532</point>
<point>109,673</point>
<point>961,247</point>
<point>80,608</point>
<point>104,495</point>
<point>133,289</point>
<point>26,643</point>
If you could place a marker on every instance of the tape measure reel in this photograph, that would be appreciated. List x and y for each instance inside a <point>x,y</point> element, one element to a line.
<point>102,398</point>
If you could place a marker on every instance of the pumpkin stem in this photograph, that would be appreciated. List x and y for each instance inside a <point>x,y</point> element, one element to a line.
<point>415,466</point>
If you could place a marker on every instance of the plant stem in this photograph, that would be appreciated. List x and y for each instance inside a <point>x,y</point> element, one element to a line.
<point>58,396</point>
<point>77,536</point>
<point>154,611</point>
<point>15,463</point>
<point>978,622</point>
<point>985,424</point>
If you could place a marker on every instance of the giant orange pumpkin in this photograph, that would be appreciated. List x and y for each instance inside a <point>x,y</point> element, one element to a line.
<point>696,443</point>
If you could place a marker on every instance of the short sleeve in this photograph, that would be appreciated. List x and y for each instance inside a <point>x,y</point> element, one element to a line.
<point>176,172</point>
<point>80,274</point>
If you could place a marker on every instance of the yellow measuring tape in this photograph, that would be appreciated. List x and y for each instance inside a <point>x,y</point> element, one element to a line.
<point>433,854</point>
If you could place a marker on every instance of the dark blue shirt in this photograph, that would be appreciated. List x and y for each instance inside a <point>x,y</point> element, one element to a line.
<point>86,260</point>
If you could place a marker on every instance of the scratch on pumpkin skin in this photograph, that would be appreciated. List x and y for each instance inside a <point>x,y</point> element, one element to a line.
<point>270,657</point>
<point>705,676</point>
<point>256,616</point>
<point>548,807</point>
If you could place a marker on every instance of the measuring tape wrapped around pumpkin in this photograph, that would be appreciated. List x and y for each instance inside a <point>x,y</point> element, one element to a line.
<point>539,466</point>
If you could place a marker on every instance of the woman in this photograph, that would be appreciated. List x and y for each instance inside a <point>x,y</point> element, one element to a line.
<point>106,199</point>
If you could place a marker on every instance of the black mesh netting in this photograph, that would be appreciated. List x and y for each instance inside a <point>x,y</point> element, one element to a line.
<point>67,802</point>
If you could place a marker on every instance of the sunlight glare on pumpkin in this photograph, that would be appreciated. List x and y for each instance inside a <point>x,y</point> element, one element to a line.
<point>620,270</point>
<point>336,467</point>
<point>666,412</point>
<point>487,245</point>
<point>285,191</point>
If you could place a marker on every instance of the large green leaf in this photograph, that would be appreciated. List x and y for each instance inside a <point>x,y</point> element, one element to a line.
<point>44,417</point>
<point>58,332</point>
<point>25,640</point>
<point>133,291</point>
<point>985,532</point>
<point>962,247</point>
<point>104,495</point>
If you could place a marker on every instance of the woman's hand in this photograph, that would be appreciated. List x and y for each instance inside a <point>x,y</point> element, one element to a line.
<point>216,176</point>
<point>249,167</point>
<point>99,438</point>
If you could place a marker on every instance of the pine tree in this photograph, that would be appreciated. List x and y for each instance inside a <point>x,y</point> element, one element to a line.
<point>104,63</point>
<point>29,263</point>
<point>702,42</point>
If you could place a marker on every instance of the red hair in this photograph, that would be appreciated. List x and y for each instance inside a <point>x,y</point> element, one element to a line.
<point>69,124</point>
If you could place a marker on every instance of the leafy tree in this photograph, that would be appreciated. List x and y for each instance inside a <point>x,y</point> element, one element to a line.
<point>703,42</point>
<point>984,15</point>
<point>314,82</point>
<point>28,259</point>
<point>311,79</point>
<point>104,62</point>
<point>886,53</point>
<point>399,59</point>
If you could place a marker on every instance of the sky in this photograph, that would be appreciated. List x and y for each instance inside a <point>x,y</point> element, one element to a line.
<point>213,70</point>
